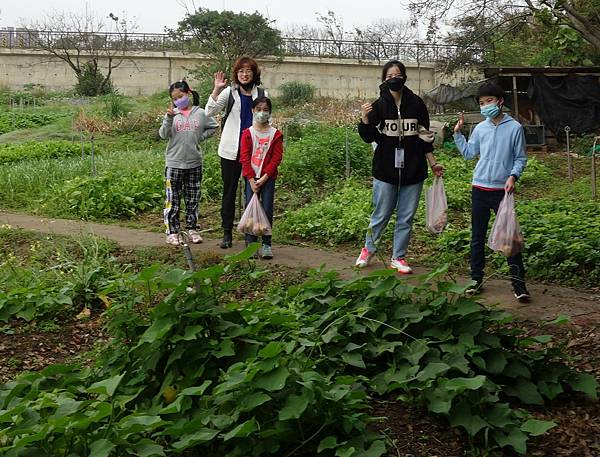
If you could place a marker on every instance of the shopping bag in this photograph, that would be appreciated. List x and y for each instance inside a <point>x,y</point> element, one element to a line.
<point>254,220</point>
<point>506,236</point>
<point>436,206</point>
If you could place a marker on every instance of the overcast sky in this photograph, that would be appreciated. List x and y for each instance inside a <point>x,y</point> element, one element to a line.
<point>168,12</point>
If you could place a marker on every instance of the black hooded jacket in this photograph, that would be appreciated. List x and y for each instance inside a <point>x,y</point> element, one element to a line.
<point>383,128</point>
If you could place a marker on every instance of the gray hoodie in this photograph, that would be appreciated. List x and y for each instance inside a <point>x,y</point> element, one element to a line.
<point>184,134</point>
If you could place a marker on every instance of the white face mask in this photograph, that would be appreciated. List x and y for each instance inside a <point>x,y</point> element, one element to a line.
<point>262,117</point>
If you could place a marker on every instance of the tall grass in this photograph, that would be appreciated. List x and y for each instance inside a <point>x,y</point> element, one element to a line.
<point>25,185</point>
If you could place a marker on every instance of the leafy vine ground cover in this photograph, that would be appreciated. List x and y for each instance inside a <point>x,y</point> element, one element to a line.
<point>289,374</point>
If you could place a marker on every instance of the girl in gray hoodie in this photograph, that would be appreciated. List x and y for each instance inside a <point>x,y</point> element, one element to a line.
<point>185,125</point>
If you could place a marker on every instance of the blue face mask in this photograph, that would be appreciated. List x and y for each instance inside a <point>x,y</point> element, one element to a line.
<point>490,111</point>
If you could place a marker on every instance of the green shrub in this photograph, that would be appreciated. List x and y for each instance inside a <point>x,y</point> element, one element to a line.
<point>536,173</point>
<point>342,216</point>
<point>296,93</point>
<point>90,82</point>
<point>583,145</point>
<point>212,183</point>
<point>30,95</point>
<point>10,153</point>
<point>293,130</point>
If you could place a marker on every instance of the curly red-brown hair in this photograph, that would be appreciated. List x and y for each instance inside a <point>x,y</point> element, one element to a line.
<point>250,63</point>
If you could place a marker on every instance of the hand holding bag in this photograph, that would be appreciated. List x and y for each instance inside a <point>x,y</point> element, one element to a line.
<point>506,236</point>
<point>436,205</point>
<point>254,221</point>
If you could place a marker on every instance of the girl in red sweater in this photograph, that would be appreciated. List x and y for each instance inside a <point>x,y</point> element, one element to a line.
<point>261,151</point>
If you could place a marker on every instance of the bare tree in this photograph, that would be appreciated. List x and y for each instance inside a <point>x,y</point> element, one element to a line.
<point>334,30</point>
<point>306,32</point>
<point>385,29</point>
<point>378,40</point>
<point>376,37</point>
<point>583,16</point>
<point>91,45</point>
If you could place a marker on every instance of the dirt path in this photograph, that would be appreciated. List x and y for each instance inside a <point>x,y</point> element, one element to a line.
<point>547,300</point>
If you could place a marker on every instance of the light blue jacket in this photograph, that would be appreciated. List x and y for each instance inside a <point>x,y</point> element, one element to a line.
<point>501,149</point>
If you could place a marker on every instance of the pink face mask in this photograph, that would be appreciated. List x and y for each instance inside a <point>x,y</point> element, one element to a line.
<point>183,102</point>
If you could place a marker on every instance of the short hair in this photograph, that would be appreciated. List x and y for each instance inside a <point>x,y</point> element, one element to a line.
<point>390,64</point>
<point>263,99</point>
<point>490,90</point>
<point>247,62</point>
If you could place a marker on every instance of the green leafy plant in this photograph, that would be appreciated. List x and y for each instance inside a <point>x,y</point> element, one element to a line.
<point>110,195</point>
<point>562,239</point>
<point>342,216</point>
<point>289,374</point>
<point>115,106</point>
<point>55,284</point>
<point>91,82</point>
<point>18,119</point>
<point>318,158</point>
<point>54,149</point>
<point>296,92</point>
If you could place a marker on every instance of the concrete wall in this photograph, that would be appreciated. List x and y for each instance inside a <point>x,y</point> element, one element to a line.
<point>146,73</point>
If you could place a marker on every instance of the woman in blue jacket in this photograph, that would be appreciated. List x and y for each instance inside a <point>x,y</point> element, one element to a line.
<point>499,142</point>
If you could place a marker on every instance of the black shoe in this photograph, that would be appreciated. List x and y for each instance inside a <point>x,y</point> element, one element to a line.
<point>521,292</point>
<point>227,240</point>
<point>478,287</point>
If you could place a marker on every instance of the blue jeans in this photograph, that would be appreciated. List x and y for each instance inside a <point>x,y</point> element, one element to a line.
<point>483,202</point>
<point>387,197</point>
<point>267,196</point>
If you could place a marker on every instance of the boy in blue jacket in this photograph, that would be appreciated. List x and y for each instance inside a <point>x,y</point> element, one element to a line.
<point>499,142</point>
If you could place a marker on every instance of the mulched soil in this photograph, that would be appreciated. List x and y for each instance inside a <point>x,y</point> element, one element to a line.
<point>577,434</point>
<point>416,434</point>
<point>29,349</point>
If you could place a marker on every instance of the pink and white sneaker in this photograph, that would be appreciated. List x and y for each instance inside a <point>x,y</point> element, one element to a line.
<point>173,239</point>
<point>364,258</point>
<point>401,265</point>
<point>194,236</point>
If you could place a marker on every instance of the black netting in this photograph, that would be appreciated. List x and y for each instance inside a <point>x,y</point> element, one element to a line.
<point>571,100</point>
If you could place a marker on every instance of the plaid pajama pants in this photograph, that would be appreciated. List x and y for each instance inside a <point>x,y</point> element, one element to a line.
<point>178,181</point>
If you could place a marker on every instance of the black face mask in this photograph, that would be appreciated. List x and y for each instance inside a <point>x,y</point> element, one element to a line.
<point>395,84</point>
<point>247,86</point>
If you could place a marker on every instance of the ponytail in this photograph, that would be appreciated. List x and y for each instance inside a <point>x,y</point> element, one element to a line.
<point>183,86</point>
<point>195,98</point>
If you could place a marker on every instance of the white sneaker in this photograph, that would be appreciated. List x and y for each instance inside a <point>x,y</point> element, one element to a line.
<point>401,265</point>
<point>194,236</point>
<point>173,239</point>
<point>364,258</point>
<point>266,252</point>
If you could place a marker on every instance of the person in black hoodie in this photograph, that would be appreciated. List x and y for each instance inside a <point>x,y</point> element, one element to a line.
<point>398,122</point>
